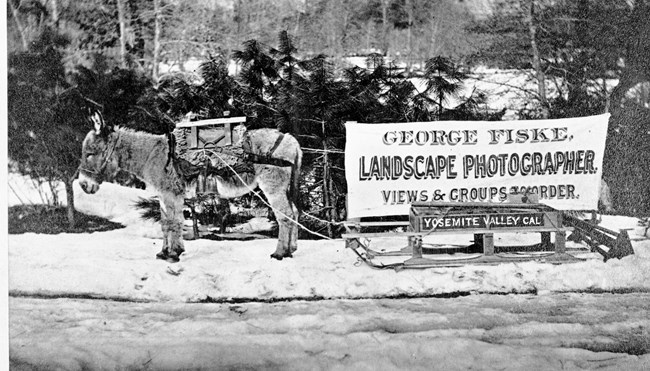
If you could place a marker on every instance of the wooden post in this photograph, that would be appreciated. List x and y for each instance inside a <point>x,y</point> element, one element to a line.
<point>416,243</point>
<point>488,244</point>
<point>193,140</point>
<point>560,242</point>
<point>477,244</point>
<point>195,222</point>
<point>546,240</point>
<point>227,132</point>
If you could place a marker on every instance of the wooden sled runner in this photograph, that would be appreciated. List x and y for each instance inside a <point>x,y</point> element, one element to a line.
<point>483,221</point>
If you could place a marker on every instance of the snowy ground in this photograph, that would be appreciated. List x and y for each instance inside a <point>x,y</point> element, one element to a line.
<point>479,332</point>
<point>160,321</point>
<point>120,264</point>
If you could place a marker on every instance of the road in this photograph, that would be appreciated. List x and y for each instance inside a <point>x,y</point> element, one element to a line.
<point>512,332</point>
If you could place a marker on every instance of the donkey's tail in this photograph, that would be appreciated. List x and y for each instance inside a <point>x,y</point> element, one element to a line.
<point>294,188</point>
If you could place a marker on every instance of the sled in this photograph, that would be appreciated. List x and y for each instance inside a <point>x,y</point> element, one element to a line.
<point>608,243</point>
<point>481,220</point>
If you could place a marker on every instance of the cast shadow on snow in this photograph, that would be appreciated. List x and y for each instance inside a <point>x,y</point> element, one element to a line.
<point>47,219</point>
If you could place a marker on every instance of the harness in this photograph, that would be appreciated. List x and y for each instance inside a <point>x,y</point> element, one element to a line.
<point>171,142</point>
<point>267,159</point>
<point>190,171</point>
<point>99,174</point>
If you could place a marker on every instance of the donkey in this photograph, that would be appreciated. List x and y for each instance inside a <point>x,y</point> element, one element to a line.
<point>108,149</point>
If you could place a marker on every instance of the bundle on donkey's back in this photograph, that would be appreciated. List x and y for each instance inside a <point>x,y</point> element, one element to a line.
<point>274,160</point>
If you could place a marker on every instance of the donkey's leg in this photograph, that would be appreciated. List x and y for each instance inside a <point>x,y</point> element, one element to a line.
<point>293,236</point>
<point>284,214</point>
<point>171,210</point>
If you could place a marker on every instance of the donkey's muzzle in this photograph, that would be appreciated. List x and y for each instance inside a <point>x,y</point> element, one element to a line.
<point>88,185</point>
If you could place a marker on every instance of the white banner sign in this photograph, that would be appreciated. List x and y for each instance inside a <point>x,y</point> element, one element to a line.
<point>389,166</point>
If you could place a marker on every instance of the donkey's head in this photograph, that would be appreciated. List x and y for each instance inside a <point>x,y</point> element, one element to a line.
<point>98,155</point>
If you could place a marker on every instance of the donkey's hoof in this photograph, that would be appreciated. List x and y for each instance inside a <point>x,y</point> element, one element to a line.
<point>170,258</point>
<point>280,256</point>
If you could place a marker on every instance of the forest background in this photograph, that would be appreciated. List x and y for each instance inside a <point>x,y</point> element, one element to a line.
<point>286,64</point>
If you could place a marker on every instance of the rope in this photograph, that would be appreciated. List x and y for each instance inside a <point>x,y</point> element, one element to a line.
<point>277,212</point>
<point>315,150</point>
<point>444,214</point>
<point>322,220</point>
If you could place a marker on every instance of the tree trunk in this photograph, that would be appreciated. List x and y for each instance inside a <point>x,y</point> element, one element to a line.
<point>296,30</point>
<point>55,13</point>
<point>537,66</point>
<point>19,24</point>
<point>433,40</point>
<point>69,192</point>
<point>384,26</point>
<point>626,81</point>
<point>368,34</point>
<point>327,204</point>
<point>409,37</point>
<point>636,55</point>
<point>55,195</point>
<point>195,221</point>
<point>607,95</point>
<point>122,21</point>
<point>156,40</point>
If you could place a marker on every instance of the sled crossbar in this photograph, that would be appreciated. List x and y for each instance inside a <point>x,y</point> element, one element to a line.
<point>358,223</point>
<point>411,233</point>
<point>210,122</point>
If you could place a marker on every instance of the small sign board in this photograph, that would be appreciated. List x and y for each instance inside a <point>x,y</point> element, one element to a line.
<point>459,217</point>
<point>481,221</point>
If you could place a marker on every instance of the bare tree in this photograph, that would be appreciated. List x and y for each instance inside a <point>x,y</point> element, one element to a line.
<point>156,40</point>
<point>54,4</point>
<point>537,66</point>
<point>385,4</point>
<point>409,36</point>
<point>122,21</point>
<point>21,28</point>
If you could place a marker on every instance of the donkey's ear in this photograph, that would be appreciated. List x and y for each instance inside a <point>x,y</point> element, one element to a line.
<point>97,120</point>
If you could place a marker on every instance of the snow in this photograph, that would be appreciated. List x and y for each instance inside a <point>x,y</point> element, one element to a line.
<point>121,264</point>
<point>193,65</point>
<point>154,314</point>
<point>505,332</point>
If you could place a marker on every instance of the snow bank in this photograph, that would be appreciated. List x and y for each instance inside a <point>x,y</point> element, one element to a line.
<point>116,203</point>
<point>121,264</point>
<point>118,264</point>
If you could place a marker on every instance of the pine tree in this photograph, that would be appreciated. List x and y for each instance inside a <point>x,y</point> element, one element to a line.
<point>46,115</point>
<point>256,82</point>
